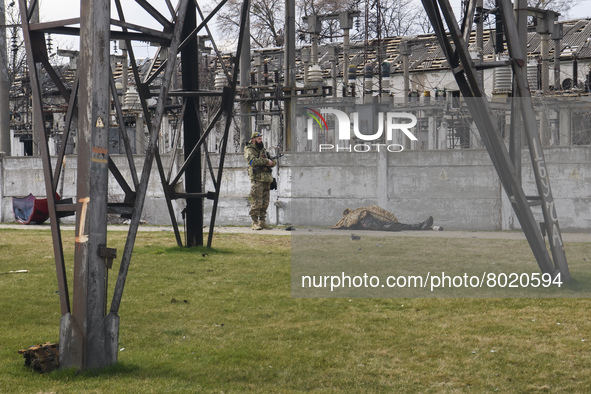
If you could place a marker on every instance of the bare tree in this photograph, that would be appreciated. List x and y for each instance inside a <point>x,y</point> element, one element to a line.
<point>266,21</point>
<point>561,6</point>
<point>330,30</point>
<point>379,18</point>
<point>18,72</point>
<point>393,18</point>
<point>423,24</point>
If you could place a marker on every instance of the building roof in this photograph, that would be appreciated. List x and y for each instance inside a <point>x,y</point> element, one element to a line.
<point>427,55</point>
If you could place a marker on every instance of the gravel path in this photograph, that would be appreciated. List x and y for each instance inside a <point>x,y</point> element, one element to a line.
<point>567,237</point>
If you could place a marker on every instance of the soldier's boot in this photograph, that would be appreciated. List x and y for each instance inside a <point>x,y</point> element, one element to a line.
<point>255,223</point>
<point>263,224</point>
<point>426,225</point>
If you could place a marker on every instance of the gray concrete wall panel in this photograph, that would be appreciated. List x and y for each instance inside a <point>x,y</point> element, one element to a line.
<point>460,188</point>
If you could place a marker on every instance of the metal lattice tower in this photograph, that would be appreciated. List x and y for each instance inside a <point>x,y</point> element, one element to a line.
<point>88,333</point>
<point>454,42</point>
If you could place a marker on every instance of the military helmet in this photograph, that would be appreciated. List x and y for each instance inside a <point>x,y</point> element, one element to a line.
<point>255,135</point>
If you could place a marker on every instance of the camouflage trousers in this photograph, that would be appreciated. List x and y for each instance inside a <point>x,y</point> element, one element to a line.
<point>259,199</point>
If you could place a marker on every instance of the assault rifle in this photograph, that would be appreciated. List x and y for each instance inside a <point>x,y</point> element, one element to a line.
<point>260,168</point>
<point>274,183</point>
<point>276,157</point>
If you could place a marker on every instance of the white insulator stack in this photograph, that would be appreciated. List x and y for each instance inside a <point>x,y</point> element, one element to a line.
<point>132,98</point>
<point>220,81</point>
<point>315,77</point>
<point>502,81</point>
<point>532,76</point>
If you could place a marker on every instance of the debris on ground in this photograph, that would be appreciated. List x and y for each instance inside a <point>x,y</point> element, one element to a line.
<point>42,358</point>
<point>15,272</point>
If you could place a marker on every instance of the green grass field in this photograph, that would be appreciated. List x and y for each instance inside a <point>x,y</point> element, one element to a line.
<point>493,268</point>
<point>223,320</point>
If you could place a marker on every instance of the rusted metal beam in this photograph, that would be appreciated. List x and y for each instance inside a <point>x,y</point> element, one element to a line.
<point>45,26</point>
<point>209,166</point>
<point>208,195</point>
<point>458,58</point>
<point>32,7</point>
<point>168,198</point>
<point>151,149</point>
<point>66,134</point>
<point>177,136</point>
<point>88,333</point>
<point>39,129</point>
<point>188,39</point>
<point>468,20</point>
<point>155,14</point>
<point>140,32</point>
<point>136,73</point>
<point>129,193</point>
<point>85,341</point>
<point>195,152</point>
<point>213,44</point>
<point>535,145</point>
<point>114,34</point>
<point>227,106</point>
<point>144,30</point>
<point>193,135</point>
<point>123,131</point>
<point>196,93</point>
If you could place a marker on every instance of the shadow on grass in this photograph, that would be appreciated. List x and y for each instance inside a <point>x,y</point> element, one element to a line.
<point>184,250</point>
<point>578,284</point>
<point>128,373</point>
<point>118,369</point>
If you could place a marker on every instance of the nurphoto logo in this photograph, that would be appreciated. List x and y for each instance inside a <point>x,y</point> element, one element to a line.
<point>348,125</point>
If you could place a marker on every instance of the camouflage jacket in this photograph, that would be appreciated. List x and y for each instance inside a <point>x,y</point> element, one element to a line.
<point>354,218</point>
<point>257,163</point>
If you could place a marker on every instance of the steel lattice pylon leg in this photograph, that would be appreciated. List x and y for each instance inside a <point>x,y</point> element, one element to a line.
<point>89,328</point>
<point>454,45</point>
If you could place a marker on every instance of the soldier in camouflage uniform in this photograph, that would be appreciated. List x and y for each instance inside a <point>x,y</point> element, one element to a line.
<point>376,218</point>
<point>259,172</point>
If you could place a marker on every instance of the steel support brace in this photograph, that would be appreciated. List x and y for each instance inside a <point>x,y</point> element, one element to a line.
<point>459,59</point>
<point>150,153</point>
<point>192,131</point>
<point>85,340</point>
<point>227,105</point>
<point>88,334</point>
<point>195,132</point>
<point>519,66</point>
<point>39,129</point>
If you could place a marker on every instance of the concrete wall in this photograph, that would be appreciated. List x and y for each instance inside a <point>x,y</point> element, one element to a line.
<point>570,178</point>
<point>460,188</point>
<point>23,175</point>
